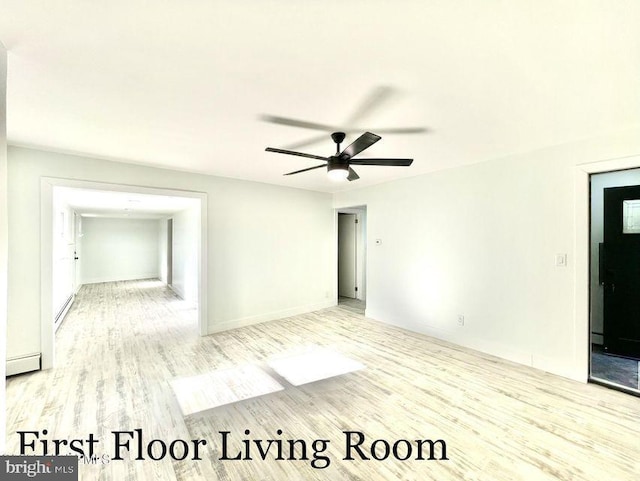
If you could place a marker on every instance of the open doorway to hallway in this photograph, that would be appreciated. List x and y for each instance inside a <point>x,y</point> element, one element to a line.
<point>615,279</point>
<point>120,234</point>
<point>352,235</point>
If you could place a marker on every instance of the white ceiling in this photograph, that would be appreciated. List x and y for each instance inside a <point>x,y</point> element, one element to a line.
<point>183,84</point>
<point>100,203</point>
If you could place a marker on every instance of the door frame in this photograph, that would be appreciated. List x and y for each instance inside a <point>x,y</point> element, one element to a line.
<point>343,247</point>
<point>60,311</point>
<point>582,246</point>
<point>361,257</point>
<point>47,330</point>
<point>169,259</point>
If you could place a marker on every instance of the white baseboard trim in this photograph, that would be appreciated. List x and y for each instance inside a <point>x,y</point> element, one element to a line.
<point>176,291</point>
<point>23,364</point>
<point>271,316</point>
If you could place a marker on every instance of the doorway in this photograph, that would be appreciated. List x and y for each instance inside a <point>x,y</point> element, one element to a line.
<point>615,279</point>
<point>351,266</point>
<point>192,214</point>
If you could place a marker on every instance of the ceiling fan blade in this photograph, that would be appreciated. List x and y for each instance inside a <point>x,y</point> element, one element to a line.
<point>391,162</point>
<point>308,141</point>
<point>322,138</point>
<point>274,119</point>
<point>365,141</point>
<point>378,96</point>
<point>404,130</point>
<point>352,175</point>
<point>304,170</point>
<point>299,154</point>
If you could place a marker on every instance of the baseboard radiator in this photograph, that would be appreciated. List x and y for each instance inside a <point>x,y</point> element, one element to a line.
<point>19,365</point>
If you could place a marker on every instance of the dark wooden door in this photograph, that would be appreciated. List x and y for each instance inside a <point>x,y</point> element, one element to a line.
<point>621,276</point>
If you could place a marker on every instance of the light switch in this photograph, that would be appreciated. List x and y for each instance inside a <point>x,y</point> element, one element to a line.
<point>561,260</point>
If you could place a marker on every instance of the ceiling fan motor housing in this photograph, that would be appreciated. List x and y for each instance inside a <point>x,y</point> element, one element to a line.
<point>337,163</point>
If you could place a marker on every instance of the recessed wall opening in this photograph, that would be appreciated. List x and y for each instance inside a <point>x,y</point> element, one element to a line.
<point>615,279</point>
<point>351,266</point>
<point>116,239</point>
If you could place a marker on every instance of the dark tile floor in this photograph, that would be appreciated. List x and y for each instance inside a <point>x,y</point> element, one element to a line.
<point>615,369</point>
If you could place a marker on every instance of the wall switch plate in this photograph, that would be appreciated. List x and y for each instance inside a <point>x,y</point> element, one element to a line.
<point>561,260</point>
<point>460,320</point>
<point>378,242</point>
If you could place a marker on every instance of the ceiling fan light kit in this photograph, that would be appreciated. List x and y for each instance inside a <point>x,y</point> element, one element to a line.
<point>337,173</point>
<point>339,165</point>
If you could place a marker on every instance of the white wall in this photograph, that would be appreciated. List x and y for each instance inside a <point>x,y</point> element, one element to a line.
<point>117,249</point>
<point>598,183</point>
<point>481,241</point>
<point>186,235</point>
<point>271,250</point>
<point>4,200</point>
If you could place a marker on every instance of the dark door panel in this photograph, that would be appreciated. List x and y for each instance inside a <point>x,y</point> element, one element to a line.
<point>620,276</point>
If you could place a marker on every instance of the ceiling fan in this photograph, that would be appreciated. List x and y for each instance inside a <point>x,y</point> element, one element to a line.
<point>339,165</point>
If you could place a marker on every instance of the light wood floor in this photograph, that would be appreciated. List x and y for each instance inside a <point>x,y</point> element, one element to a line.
<point>122,343</point>
<point>351,304</point>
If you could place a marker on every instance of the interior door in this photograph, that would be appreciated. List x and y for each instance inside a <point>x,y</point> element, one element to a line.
<point>64,248</point>
<point>347,255</point>
<point>77,236</point>
<point>621,266</point>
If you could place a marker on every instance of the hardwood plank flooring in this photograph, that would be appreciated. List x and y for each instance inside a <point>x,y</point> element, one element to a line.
<point>123,343</point>
<point>350,304</point>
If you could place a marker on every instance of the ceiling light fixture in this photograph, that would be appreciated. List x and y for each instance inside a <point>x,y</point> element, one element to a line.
<point>338,173</point>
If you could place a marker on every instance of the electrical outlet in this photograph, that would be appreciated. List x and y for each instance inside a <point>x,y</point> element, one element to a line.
<point>460,320</point>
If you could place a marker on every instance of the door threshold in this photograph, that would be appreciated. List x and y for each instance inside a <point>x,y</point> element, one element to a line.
<point>615,386</point>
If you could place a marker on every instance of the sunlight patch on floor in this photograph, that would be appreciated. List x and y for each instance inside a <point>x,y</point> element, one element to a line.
<point>226,386</point>
<point>315,364</point>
